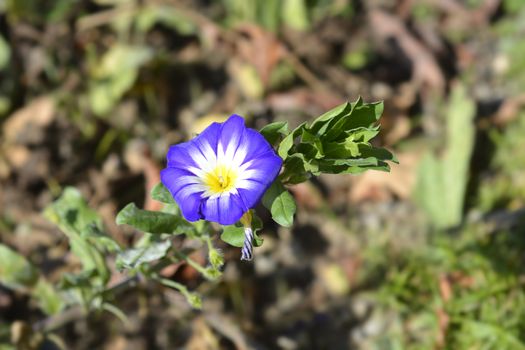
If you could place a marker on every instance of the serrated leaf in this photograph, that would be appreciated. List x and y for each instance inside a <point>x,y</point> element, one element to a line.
<point>233,235</point>
<point>15,271</point>
<point>152,221</point>
<point>160,193</point>
<point>280,203</point>
<point>274,131</point>
<point>132,258</point>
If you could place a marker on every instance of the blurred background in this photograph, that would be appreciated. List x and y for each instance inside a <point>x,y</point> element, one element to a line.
<point>429,256</point>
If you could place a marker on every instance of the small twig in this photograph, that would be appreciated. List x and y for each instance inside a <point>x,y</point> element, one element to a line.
<point>58,321</point>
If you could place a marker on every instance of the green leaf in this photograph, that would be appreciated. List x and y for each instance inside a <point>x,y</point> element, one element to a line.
<point>442,182</point>
<point>274,131</point>
<point>288,142</point>
<point>162,194</point>
<point>5,53</point>
<point>101,240</point>
<point>295,14</point>
<point>114,74</point>
<point>361,116</point>
<point>81,280</point>
<point>49,300</point>
<point>381,154</point>
<point>135,257</point>
<point>257,240</point>
<point>71,213</point>
<point>328,116</point>
<point>280,203</point>
<point>336,143</point>
<point>83,226</point>
<point>233,235</point>
<point>363,134</point>
<point>15,271</point>
<point>295,169</point>
<point>152,221</point>
<point>488,332</point>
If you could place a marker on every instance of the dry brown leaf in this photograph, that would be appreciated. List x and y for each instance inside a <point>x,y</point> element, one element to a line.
<point>202,337</point>
<point>509,110</point>
<point>381,186</point>
<point>259,48</point>
<point>396,128</point>
<point>30,119</point>
<point>307,195</point>
<point>445,288</point>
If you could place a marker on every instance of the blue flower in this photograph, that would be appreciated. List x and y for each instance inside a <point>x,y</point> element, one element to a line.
<point>222,173</point>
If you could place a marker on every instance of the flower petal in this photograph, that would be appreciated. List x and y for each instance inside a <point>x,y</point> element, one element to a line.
<point>226,209</point>
<point>186,188</point>
<point>232,131</point>
<point>199,153</point>
<point>257,177</point>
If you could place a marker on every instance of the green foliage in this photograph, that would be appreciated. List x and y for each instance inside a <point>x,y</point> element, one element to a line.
<point>5,53</point>
<point>513,6</point>
<point>337,142</point>
<point>160,193</point>
<point>442,181</point>
<point>482,272</point>
<point>511,46</point>
<point>15,271</point>
<point>505,187</point>
<point>152,14</point>
<point>83,227</point>
<point>274,14</point>
<point>39,11</point>
<point>233,235</point>
<point>153,221</point>
<point>280,203</point>
<point>48,298</point>
<point>114,74</point>
<point>274,131</point>
<point>144,253</point>
<point>356,59</point>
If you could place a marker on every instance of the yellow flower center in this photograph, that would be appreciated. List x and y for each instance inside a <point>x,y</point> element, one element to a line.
<point>221,179</point>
